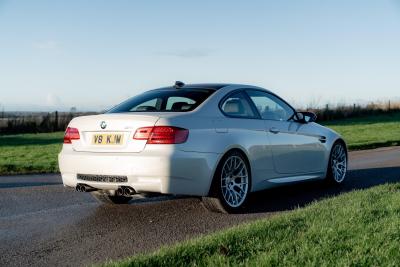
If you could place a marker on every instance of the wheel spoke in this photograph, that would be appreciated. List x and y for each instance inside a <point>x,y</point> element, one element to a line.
<point>339,162</point>
<point>234,181</point>
<point>240,189</point>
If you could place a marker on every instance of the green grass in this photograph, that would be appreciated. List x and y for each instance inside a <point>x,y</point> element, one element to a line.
<point>36,153</point>
<point>30,153</point>
<point>359,228</point>
<point>369,132</point>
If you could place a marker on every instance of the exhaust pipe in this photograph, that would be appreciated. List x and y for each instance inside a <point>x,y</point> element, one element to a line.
<point>119,192</point>
<point>85,188</point>
<point>129,191</point>
<point>78,188</point>
<point>125,191</point>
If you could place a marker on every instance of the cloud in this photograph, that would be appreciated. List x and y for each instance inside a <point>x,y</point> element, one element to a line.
<point>46,45</point>
<point>188,53</point>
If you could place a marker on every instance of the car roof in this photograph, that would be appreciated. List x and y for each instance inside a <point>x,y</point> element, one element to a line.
<point>211,86</point>
<point>214,86</point>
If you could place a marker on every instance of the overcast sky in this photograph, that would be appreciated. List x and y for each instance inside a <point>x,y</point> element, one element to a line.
<point>94,54</point>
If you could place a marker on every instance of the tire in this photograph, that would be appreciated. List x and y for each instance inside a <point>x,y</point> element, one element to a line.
<point>231,185</point>
<point>337,167</point>
<point>108,199</point>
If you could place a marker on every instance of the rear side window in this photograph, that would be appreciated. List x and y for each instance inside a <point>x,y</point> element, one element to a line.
<point>177,102</point>
<point>237,105</point>
<point>164,100</point>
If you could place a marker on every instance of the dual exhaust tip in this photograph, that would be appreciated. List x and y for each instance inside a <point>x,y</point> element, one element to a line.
<point>126,191</point>
<point>84,188</point>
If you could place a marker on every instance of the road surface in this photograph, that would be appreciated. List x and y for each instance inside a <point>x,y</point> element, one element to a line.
<point>43,223</point>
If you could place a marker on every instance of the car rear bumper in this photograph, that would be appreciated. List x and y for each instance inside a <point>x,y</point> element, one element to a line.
<point>166,171</point>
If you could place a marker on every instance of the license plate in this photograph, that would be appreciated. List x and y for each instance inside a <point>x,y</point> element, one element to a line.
<point>108,139</point>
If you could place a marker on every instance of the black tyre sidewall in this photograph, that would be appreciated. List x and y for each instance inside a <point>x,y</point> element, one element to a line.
<point>216,187</point>
<point>330,177</point>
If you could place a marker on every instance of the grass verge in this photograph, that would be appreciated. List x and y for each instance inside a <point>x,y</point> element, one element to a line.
<point>30,153</point>
<point>369,132</point>
<point>360,228</point>
<point>37,153</point>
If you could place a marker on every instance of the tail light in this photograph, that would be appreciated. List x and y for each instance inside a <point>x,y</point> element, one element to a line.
<point>71,134</point>
<point>162,135</point>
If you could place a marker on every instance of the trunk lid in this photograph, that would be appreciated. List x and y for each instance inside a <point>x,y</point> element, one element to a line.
<point>116,131</point>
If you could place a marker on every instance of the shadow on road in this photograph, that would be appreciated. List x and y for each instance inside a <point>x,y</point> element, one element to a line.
<point>289,197</point>
<point>292,196</point>
<point>298,195</point>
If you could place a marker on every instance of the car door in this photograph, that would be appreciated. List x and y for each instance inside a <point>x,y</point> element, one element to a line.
<point>295,149</point>
<point>245,128</point>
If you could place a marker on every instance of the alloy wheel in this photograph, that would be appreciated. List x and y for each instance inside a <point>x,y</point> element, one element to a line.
<point>234,181</point>
<point>339,163</point>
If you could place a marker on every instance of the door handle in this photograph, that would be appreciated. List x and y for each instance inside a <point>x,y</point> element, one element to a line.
<point>322,139</point>
<point>274,130</point>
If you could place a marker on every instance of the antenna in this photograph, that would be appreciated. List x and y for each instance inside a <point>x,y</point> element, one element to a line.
<point>179,84</point>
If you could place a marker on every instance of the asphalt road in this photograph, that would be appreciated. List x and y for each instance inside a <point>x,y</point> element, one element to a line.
<point>42,223</point>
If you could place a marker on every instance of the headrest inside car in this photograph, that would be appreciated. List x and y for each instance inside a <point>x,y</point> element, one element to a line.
<point>179,106</point>
<point>146,108</point>
<point>233,106</point>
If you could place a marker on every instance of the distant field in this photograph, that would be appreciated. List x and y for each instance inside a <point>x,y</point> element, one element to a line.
<point>369,132</point>
<point>30,153</point>
<point>360,228</point>
<point>35,153</point>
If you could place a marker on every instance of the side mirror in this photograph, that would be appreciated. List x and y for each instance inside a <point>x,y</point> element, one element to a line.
<point>305,117</point>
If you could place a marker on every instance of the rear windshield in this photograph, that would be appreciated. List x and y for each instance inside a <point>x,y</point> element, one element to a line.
<point>165,100</point>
